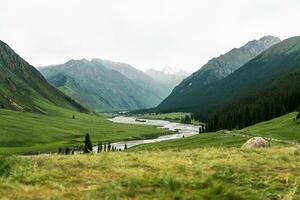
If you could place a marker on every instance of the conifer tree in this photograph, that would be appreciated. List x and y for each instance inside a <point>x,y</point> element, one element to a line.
<point>88,147</point>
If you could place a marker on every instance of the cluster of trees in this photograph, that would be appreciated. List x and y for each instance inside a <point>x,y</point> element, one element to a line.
<point>264,106</point>
<point>186,119</point>
<point>107,147</point>
<point>202,128</point>
<point>88,147</point>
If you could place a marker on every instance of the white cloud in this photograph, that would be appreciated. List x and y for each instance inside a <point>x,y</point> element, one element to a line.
<point>147,34</point>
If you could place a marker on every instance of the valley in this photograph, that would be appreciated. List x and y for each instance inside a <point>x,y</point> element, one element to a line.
<point>31,132</point>
<point>100,129</point>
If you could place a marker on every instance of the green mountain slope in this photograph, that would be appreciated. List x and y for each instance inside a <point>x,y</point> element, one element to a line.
<point>255,76</point>
<point>216,69</point>
<point>101,87</point>
<point>159,90</point>
<point>23,88</point>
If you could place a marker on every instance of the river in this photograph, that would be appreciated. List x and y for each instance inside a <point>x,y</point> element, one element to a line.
<point>180,131</point>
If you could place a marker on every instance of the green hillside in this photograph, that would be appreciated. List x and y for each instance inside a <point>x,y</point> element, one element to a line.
<point>103,86</point>
<point>31,132</point>
<point>256,75</point>
<point>283,130</point>
<point>23,88</point>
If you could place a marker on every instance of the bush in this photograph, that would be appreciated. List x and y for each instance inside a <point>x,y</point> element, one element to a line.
<point>6,165</point>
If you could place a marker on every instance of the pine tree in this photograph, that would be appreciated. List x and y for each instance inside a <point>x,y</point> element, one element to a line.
<point>67,151</point>
<point>109,146</point>
<point>88,147</point>
<point>99,147</point>
<point>73,117</point>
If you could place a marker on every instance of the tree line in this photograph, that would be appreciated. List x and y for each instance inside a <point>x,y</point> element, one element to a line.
<point>87,147</point>
<point>266,105</point>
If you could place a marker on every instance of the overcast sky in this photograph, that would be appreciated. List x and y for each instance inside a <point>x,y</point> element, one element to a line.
<point>183,34</point>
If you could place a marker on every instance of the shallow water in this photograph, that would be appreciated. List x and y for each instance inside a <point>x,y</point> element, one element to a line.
<point>179,129</point>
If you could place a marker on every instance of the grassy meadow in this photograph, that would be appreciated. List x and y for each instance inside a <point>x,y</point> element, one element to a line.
<point>23,132</point>
<point>283,128</point>
<point>208,173</point>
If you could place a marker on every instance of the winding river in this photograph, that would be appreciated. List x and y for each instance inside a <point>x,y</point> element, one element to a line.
<point>180,130</point>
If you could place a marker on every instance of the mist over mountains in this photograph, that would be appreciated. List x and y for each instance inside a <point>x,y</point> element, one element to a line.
<point>103,85</point>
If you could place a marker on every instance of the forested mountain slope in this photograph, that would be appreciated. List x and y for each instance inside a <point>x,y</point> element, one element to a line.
<point>187,94</point>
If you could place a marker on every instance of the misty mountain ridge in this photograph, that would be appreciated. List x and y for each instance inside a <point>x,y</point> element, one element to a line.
<point>103,85</point>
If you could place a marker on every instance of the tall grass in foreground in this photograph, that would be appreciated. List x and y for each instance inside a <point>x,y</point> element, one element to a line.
<point>209,173</point>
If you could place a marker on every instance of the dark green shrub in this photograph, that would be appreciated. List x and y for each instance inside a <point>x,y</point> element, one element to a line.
<point>6,165</point>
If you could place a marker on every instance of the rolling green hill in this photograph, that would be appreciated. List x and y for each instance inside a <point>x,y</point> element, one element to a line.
<point>104,85</point>
<point>23,88</point>
<point>23,132</point>
<point>283,130</point>
<point>255,76</point>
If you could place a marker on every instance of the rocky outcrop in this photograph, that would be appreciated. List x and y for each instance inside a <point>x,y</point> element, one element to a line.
<point>256,142</point>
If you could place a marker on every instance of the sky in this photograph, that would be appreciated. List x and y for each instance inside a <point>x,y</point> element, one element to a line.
<point>183,34</point>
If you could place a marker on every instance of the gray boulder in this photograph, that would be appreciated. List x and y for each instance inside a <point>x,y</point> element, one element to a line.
<point>256,142</point>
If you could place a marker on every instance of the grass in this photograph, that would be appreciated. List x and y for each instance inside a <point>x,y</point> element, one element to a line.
<point>198,141</point>
<point>30,132</point>
<point>208,173</point>
<point>175,116</point>
<point>283,128</point>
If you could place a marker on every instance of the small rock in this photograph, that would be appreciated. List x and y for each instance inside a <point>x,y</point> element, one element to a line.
<point>226,132</point>
<point>256,142</point>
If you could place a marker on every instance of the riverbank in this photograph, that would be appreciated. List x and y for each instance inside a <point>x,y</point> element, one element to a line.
<point>178,130</point>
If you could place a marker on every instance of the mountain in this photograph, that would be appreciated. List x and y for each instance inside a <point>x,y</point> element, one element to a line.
<point>23,88</point>
<point>145,81</point>
<point>167,76</point>
<point>216,69</point>
<point>103,85</point>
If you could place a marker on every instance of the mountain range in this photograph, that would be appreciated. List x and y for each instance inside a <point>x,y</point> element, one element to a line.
<point>167,76</point>
<point>103,85</point>
<point>194,93</point>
